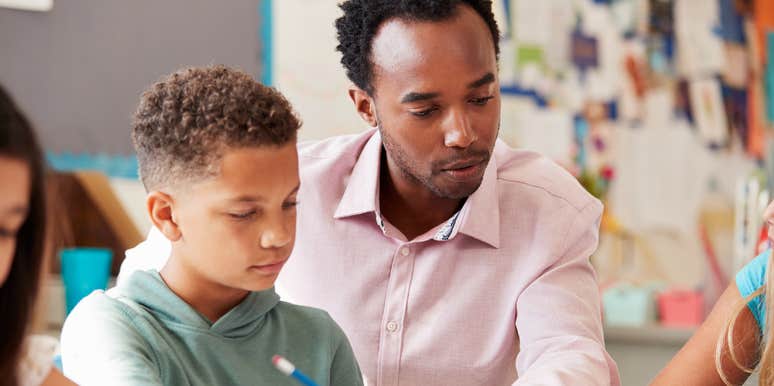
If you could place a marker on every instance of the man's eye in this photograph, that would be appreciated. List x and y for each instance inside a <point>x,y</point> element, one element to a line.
<point>424,113</point>
<point>481,101</point>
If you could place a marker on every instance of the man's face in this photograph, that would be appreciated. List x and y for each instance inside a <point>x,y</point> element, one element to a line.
<point>238,228</point>
<point>436,100</point>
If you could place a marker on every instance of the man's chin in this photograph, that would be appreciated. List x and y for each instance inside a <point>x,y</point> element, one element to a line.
<point>456,191</point>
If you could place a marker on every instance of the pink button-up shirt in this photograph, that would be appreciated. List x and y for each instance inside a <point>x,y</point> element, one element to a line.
<point>509,298</point>
<point>502,293</point>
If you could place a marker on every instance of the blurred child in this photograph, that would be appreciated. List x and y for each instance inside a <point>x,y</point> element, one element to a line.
<point>24,360</point>
<point>217,155</point>
<point>735,339</point>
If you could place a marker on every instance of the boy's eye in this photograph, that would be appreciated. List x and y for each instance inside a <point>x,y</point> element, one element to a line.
<point>481,101</point>
<point>243,215</point>
<point>290,205</point>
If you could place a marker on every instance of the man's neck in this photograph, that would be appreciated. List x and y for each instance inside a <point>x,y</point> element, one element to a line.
<point>210,299</point>
<point>409,205</point>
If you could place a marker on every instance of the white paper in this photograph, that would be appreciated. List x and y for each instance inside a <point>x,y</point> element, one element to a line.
<point>530,21</point>
<point>708,111</point>
<point>498,9</point>
<point>28,5</point>
<point>659,108</point>
<point>512,110</point>
<point>547,131</point>
<point>311,77</point>
<point>508,69</point>
<point>699,51</point>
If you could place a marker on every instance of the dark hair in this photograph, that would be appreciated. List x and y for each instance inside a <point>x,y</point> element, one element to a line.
<point>186,120</point>
<point>18,293</point>
<point>362,18</point>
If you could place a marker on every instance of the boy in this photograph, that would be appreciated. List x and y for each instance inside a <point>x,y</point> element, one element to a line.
<point>217,155</point>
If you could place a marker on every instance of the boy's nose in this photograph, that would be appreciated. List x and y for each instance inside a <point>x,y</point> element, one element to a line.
<point>274,239</point>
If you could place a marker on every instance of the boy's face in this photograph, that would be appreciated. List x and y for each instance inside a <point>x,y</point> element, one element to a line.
<point>237,229</point>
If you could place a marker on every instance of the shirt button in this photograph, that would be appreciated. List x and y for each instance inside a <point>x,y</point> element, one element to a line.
<point>405,251</point>
<point>392,326</point>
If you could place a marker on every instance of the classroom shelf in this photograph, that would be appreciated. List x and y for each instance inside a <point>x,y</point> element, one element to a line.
<point>651,334</point>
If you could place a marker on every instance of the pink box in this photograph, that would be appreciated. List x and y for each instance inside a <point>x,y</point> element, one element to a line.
<point>681,308</point>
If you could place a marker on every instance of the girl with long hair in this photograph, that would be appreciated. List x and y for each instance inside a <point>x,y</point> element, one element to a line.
<point>24,360</point>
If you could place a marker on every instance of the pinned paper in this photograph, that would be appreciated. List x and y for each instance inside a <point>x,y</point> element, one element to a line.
<point>625,15</point>
<point>700,51</point>
<point>501,17</point>
<point>584,51</point>
<point>662,16</point>
<point>708,111</point>
<point>736,70</point>
<point>530,21</point>
<point>546,131</point>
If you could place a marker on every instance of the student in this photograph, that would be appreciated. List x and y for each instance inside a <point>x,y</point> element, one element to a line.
<point>24,360</point>
<point>741,319</point>
<point>217,155</point>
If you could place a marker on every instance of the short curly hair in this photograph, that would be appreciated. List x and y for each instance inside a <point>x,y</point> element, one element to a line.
<point>362,18</point>
<point>185,122</point>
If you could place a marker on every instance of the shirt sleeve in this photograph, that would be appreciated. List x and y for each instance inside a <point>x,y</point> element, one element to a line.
<point>558,319</point>
<point>101,346</point>
<point>345,370</point>
<point>750,279</point>
<point>38,359</point>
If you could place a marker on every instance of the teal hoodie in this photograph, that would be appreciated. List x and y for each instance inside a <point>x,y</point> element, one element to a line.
<point>141,333</point>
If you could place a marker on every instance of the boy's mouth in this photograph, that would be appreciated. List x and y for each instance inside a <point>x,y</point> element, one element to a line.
<point>269,269</point>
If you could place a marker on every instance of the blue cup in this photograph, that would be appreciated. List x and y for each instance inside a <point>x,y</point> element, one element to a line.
<point>83,271</point>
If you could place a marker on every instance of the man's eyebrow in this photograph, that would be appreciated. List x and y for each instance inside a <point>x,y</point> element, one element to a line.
<point>486,79</point>
<point>418,96</point>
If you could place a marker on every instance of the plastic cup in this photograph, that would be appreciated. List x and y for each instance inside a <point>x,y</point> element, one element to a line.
<point>83,271</point>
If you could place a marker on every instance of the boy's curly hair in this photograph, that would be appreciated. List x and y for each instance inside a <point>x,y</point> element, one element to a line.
<point>185,122</point>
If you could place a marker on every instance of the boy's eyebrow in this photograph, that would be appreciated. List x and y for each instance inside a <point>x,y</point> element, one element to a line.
<point>248,198</point>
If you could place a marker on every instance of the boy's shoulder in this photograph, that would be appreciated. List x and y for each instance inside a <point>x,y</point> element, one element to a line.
<point>103,308</point>
<point>307,318</point>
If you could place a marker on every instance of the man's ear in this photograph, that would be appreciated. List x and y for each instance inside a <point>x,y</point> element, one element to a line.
<point>162,214</point>
<point>364,105</point>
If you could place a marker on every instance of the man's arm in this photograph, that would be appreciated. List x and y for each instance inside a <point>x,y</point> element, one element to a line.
<point>100,346</point>
<point>558,315</point>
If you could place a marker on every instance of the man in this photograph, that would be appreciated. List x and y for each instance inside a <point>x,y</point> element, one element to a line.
<point>447,257</point>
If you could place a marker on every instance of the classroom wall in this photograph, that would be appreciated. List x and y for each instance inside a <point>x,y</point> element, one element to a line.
<point>78,70</point>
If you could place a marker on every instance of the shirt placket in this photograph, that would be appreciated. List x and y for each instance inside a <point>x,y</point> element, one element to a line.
<point>394,316</point>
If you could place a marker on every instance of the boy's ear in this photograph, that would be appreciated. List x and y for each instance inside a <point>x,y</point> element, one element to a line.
<point>162,214</point>
<point>364,105</point>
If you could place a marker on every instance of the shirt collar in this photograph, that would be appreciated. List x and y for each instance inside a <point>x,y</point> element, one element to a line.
<point>361,192</point>
<point>479,217</point>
